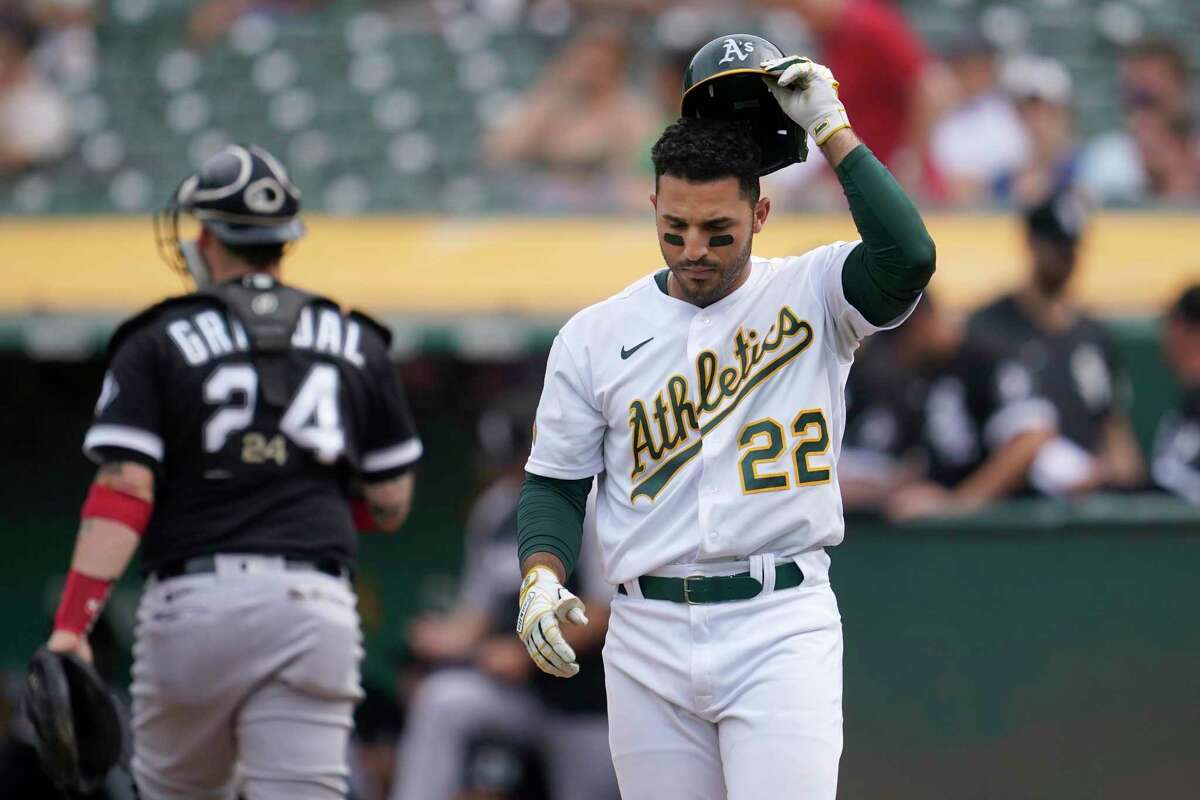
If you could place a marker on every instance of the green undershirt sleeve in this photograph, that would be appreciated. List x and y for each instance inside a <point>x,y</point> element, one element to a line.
<point>550,517</point>
<point>885,274</point>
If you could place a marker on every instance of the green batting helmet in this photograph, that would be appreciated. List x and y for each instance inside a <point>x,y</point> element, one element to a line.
<point>725,81</point>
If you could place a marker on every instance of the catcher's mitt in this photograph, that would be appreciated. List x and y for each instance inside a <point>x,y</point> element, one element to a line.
<point>80,729</point>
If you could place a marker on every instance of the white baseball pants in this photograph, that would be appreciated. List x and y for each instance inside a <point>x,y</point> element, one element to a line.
<point>739,700</point>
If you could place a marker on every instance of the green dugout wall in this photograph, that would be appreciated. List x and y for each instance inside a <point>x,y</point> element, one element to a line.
<point>1039,652</point>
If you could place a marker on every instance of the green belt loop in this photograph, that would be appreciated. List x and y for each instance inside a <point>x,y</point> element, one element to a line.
<point>700,589</point>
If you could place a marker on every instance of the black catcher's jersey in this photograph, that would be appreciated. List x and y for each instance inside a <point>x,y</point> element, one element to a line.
<point>1175,465</point>
<point>971,406</point>
<point>253,450</point>
<point>1076,370</point>
<point>883,415</point>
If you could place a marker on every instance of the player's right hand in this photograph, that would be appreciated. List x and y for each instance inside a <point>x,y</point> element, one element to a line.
<point>67,642</point>
<point>807,92</point>
<point>543,604</point>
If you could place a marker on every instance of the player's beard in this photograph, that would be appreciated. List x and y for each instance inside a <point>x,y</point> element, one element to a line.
<point>1053,270</point>
<point>725,278</point>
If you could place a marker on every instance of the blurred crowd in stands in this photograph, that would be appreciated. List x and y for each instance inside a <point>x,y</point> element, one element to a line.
<point>974,121</point>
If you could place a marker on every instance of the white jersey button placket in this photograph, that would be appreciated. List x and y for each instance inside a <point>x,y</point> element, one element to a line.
<point>701,338</point>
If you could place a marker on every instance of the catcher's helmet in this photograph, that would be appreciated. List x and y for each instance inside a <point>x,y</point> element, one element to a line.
<point>81,732</point>
<point>725,81</point>
<point>242,195</point>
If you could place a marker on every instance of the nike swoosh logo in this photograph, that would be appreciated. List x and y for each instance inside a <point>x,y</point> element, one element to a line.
<point>627,353</point>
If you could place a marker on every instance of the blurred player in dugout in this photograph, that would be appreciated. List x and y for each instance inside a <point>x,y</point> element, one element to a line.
<point>1070,356</point>
<point>231,425</point>
<point>1175,464</point>
<point>1031,362</point>
<point>470,722</point>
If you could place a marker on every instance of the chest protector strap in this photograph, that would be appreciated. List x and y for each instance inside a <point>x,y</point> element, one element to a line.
<point>268,311</point>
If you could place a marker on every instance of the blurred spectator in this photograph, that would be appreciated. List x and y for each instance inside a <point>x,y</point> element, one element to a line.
<point>578,139</point>
<point>1041,89</point>
<point>67,50</point>
<point>490,692</point>
<point>892,89</point>
<point>35,124</point>
<point>1153,158</point>
<point>981,424</point>
<point>982,137</point>
<point>1071,358</point>
<point>1176,461</point>
<point>212,19</point>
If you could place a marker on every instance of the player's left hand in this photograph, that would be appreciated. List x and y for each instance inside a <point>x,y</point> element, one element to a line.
<point>67,642</point>
<point>543,604</point>
<point>807,92</point>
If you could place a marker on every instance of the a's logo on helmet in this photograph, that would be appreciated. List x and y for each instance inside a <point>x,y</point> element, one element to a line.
<point>264,304</point>
<point>264,196</point>
<point>736,49</point>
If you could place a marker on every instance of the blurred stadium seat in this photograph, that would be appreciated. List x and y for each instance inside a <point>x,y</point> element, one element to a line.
<point>380,111</point>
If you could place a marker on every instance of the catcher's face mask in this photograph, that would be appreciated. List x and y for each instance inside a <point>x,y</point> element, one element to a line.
<point>81,733</point>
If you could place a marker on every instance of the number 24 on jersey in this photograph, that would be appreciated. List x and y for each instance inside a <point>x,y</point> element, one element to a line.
<point>312,419</point>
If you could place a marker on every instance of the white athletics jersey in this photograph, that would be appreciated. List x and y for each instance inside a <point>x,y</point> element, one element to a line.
<point>715,431</point>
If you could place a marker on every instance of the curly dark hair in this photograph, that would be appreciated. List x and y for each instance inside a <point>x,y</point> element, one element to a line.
<point>259,256</point>
<point>703,150</point>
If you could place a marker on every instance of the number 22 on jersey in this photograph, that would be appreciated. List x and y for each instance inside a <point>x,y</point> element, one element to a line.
<point>763,442</point>
<point>312,419</point>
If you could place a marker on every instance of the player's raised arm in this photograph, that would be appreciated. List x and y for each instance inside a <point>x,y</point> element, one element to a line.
<point>884,275</point>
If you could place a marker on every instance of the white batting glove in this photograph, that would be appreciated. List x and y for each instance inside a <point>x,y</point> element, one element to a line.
<point>807,92</point>
<point>545,602</point>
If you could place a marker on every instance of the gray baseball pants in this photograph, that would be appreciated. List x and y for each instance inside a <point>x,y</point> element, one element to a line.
<point>254,666</point>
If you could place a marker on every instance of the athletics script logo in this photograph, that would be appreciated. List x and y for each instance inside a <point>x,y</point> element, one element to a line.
<point>666,433</point>
<point>733,48</point>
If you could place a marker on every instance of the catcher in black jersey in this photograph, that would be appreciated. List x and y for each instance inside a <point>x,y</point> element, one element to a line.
<point>1175,465</point>
<point>231,427</point>
<point>1071,358</point>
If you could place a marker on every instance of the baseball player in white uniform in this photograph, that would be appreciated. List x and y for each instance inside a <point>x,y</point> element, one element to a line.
<point>709,399</point>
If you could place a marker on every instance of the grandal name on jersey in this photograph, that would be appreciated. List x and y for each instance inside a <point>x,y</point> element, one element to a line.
<point>211,334</point>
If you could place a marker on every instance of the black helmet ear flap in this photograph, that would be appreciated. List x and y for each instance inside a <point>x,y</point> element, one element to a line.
<point>725,81</point>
